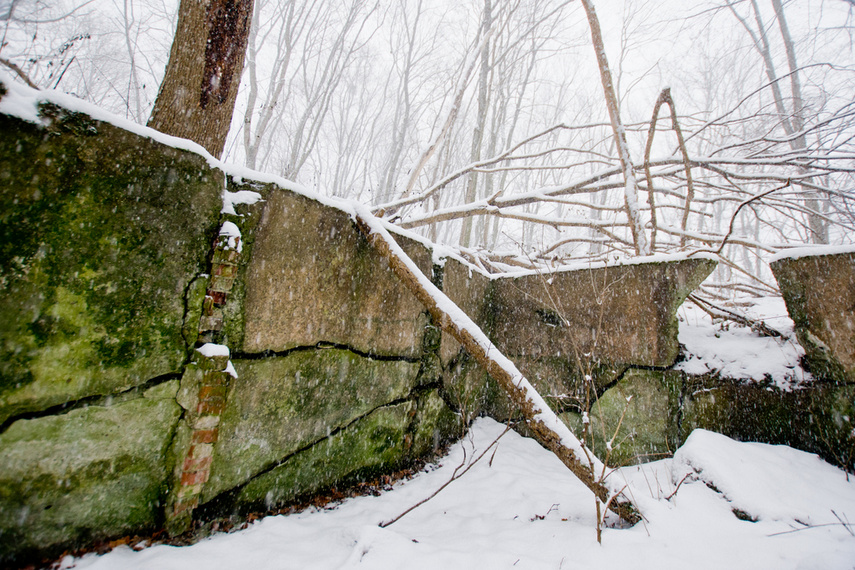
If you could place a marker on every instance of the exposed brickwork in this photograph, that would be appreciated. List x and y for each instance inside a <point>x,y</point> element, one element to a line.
<point>212,395</point>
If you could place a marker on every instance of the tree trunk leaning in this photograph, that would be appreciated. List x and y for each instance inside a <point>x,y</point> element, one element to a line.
<point>549,431</point>
<point>197,96</point>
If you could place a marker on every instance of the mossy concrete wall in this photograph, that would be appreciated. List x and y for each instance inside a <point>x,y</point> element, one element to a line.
<point>647,414</point>
<point>820,294</point>
<point>113,272</point>
<point>102,232</point>
<point>109,280</point>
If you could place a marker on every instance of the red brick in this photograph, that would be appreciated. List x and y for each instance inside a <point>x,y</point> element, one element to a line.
<point>191,465</point>
<point>212,392</point>
<point>200,450</point>
<point>213,407</point>
<point>218,297</point>
<point>205,435</point>
<point>194,477</point>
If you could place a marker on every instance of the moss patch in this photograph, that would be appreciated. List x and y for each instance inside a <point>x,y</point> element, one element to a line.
<point>437,425</point>
<point>279,405</point>
<point>101,233</point>
<point>648,402</point>
<point>89,474</point>
<point>372,445</point>
<point>818,418</point>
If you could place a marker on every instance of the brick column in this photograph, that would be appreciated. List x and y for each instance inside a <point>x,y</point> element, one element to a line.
<point>212,372</point>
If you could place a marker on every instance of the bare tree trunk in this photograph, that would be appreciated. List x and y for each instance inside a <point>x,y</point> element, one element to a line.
<point>792,123</point>
<point>639,238</point>
<point>818,227</point>
<point>197,96</point>
<point>543,423</point>
<point>480,120</point>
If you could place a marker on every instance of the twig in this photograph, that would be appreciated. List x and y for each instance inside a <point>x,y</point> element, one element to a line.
<point>19,72</point>
<point>669,497</point>
<point>736,213</point>
<point>454,476</point>
<point>758,326</point>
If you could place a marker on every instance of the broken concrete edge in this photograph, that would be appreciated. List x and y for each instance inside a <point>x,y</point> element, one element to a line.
<point>818,287</point>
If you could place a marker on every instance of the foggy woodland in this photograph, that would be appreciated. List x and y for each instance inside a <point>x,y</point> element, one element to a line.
<point>526,133</point>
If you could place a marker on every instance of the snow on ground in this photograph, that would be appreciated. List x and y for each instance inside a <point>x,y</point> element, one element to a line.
<point>738,352</point>
<point>526,510</point>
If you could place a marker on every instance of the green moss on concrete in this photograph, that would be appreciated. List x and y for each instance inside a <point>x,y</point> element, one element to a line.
<point>279,405</point>
<point>374,444</point>
<point>471,391</point>
<point>436,425</point>
<point>100,234</point>
<point>648,401</point>
<point>92,473</point>
<point>818,418</point>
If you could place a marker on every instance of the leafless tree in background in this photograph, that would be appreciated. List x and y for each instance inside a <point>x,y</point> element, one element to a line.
<point>489,123</point>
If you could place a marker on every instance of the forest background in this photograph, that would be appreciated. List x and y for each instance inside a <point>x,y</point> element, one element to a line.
<point>483,123</point>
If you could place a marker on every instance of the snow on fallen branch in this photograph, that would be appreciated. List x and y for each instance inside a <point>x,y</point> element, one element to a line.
<point>547,428</point>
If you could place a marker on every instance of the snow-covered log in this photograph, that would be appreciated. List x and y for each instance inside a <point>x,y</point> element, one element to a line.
<point>547,428</point>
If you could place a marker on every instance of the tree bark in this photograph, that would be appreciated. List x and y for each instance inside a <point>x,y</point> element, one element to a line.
<point>544,424</point>
<point>197,96</point>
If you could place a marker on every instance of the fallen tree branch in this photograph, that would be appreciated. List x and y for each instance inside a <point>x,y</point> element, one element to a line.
<point>454,477</point>
<point>547,429</point>
<point>718,312</point>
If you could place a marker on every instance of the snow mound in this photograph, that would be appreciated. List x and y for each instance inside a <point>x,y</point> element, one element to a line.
<point>521,508</point>
<point>768,482</point>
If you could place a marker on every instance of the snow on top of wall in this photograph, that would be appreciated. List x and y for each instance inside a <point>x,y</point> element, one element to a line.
<point>586,265</point>
<point>22,102</point>
<point>799,252</point>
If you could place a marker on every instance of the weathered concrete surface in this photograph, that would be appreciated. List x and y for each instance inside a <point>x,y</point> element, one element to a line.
<point>279,405</point>
<point>92,473</point>
<point>639,417</point>
<point>820,294</point>
<point>313,278</point>
<point>560,328</point>
<point>471,292</point>
<point>617,314</point>
<point>101,233</point>
<point>381,441</point>
<point>374,444</point>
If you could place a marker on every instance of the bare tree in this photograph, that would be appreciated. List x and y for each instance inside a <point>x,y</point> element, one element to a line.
<point>197,95</point>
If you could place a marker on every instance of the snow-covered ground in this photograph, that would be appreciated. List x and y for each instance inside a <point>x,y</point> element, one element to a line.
<point>526,510</point>
<point>738,352</point>
<point>521,508</point>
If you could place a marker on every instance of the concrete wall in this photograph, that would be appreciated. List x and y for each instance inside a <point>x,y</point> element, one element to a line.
<point>115,272</point>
